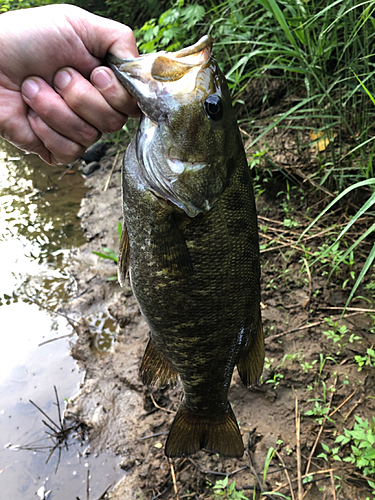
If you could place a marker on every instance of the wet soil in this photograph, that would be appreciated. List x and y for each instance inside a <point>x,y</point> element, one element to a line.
<point>304,370</point>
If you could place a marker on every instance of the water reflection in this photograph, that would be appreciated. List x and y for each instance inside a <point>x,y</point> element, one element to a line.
<point>39,232</point>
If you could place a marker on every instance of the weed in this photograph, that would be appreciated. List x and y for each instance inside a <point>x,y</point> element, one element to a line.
<point>362,443</point>
<point>338,334</point>
<point>221,489</point>
<point>319,412</point>
<point>368,360</point>
<point>275,380</point>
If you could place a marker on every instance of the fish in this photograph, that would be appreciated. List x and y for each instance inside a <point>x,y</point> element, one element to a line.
<point>190,242</point>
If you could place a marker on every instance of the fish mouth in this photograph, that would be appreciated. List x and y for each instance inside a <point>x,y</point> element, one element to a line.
<point>154,79</point>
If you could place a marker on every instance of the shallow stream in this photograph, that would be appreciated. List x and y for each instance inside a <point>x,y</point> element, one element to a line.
<point>39,236</point>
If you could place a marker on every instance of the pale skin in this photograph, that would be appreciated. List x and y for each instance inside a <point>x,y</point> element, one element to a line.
<point>56,96</point>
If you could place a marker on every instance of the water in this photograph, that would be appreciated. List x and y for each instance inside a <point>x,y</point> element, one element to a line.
<point>39,235</point>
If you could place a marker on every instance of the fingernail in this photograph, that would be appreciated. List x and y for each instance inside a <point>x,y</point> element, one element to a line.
<point>62,79</point>
<point>101,79</point>
<point>30,88</point>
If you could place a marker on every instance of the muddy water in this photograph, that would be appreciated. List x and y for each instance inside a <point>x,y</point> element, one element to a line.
<point>39,235</point>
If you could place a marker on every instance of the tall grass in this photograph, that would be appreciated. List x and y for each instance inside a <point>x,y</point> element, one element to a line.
<point>322,54</point>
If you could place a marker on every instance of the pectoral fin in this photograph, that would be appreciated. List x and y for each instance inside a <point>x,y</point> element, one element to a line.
<point>123,257</point>
<point>250,365</point>
<point>171,249</point>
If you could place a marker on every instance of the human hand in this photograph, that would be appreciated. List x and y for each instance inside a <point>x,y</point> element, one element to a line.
<point>47,104</point>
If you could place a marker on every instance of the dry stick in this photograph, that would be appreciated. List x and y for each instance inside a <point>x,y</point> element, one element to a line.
<point>358,309</point>
<point>173,479</point>
<point>312,474</point>
<point>281,245</point>
<point>88,485</point>
<point>320,430</point>
<point>160,407</point>
<point>45,414</point>
<point>304,327</point>
<point>69,169</point>
<point>352,409</point>
<point>58,408</point>
<point>287,475</point>
<point>333,485</point>
<point>342,404</point>
<point>298,434</point>
<point>111,172</point>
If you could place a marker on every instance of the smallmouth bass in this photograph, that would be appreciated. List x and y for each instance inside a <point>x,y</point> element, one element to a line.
<point>190,242</point>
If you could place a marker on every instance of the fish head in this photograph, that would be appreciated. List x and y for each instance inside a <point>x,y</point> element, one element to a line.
<point>188,135</point>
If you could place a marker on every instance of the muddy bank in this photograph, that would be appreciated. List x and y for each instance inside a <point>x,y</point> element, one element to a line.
<point>302,366</point>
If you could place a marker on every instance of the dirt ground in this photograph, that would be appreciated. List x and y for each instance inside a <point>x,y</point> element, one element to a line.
<point>303,369</point>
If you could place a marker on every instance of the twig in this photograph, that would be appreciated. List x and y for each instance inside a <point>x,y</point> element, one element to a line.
<point>58,408</point>
<point>56,338</point>
<point>173,478</point>
<point>160,407</point>
<point>304,327</point>
<point>286,474</point>
<point>282,244</point>
<point>352,409</point>
<point>111,172</point>
<point>45,414</point>
<point>88,485</point>
<point>68,170</point>
<point>320,430</point>
<point>342,404</point>
<point>104,493</point>
<point>312,474</point>
<point>333,485</point>
<point>358,309</point>
<point>151,436</point>
<point>298,436</point>
<point>215,473</point>
<point>310,283</point>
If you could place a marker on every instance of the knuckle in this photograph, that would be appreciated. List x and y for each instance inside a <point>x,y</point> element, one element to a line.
<point>113,125</point>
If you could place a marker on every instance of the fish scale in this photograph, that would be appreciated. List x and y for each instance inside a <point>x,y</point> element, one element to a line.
<point>190,242</point>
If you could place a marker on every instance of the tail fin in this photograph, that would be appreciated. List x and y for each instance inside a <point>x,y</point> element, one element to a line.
<point>190,433</point>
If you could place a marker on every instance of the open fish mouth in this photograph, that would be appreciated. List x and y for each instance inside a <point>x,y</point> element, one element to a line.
<point>153,79</point>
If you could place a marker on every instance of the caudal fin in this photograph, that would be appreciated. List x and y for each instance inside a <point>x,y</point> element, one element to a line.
<point>190,433</point>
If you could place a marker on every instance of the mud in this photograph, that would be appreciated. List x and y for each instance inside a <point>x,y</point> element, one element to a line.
<point>302,366</point>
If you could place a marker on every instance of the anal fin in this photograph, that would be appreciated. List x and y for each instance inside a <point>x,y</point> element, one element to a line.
<point>155,369</point>
<point>250,365</point>
<point>190,433</point>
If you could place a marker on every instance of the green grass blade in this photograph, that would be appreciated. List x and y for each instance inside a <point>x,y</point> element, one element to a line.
<point>365,268</point>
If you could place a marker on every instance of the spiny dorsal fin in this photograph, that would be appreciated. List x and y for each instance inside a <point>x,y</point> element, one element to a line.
<point>190,433</point>
<point>155,368</point>
<point>123,257</point>
<point>250,366</point>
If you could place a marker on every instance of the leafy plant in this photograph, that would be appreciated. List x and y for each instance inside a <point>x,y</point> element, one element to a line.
<point>362,443</point>
<point>221,489</point>
<point>368,360</point>
<point>174,28</point>
<point>109,253</point>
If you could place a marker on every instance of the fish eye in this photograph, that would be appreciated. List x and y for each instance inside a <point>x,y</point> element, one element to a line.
<point>213,107</point>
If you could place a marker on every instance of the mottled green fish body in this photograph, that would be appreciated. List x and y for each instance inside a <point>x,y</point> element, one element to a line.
<point>191,242</point>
